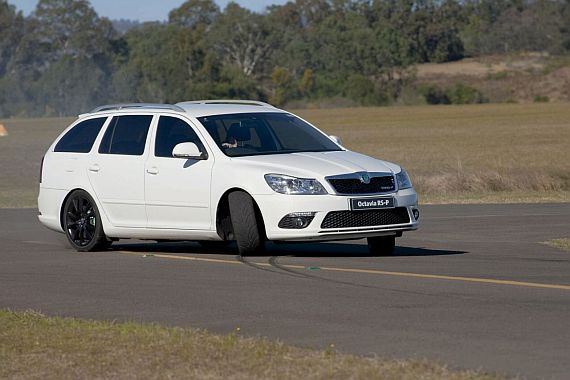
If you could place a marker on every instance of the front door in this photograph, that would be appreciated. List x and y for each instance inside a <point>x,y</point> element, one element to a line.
<point>116,171</point>
<point>177,189</point>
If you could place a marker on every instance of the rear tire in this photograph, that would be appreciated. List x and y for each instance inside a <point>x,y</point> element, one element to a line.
<point>381,245</point>
<point>245,224</point>
<point>82,223</point>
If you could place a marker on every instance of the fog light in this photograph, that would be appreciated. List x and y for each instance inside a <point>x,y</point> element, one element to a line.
<point>297,220</point>
<point>416,213</point>
<point>300,222</point>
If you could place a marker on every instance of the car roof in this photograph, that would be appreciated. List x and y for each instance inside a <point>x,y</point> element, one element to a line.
<point>220,107</point>
<point>197,108</point>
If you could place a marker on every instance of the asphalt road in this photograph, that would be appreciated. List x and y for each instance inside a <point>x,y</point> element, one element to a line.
<point>473,288</point>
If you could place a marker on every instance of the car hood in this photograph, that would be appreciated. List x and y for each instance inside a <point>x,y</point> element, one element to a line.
<point>317,164</point>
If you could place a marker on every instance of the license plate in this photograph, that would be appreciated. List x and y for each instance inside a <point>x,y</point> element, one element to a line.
<point>372,203</point>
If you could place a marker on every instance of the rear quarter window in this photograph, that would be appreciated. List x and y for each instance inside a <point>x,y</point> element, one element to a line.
<point>81,137</point>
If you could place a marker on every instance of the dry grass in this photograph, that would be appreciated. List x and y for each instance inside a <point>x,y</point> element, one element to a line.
<point>502,152</point>
<point>33,346</point>
<point>505,78</point>
<point>563,244</point>
<point>477,153</point>
<point>495,197</point>
<point>484,66</point>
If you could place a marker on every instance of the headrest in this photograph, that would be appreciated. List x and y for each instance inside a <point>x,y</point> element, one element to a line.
<point>239,132</point>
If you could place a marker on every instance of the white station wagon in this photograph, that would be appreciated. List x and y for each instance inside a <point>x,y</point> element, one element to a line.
<point>217,171</point>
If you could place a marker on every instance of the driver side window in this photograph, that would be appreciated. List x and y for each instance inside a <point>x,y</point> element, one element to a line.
<point>172,131</point>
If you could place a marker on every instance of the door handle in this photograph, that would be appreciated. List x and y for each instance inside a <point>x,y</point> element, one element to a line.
<point>94,168</point>
<point>153,170</point>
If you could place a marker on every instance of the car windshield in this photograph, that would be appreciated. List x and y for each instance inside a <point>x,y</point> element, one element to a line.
<point>248,134</point>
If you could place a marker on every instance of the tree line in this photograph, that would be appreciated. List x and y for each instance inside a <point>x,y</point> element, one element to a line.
<point>64,58</point>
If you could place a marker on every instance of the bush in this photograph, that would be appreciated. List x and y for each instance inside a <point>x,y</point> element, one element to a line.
<point>463,94</point>
<point>433,94</point>
<point>498,75</point>
<point>360,88</point>
<point>541,99</point>
<point>365,91</point>
<point>457,94</point>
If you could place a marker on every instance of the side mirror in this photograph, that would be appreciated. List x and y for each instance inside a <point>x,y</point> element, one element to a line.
<point>336,139</point>
<point>188,150</point>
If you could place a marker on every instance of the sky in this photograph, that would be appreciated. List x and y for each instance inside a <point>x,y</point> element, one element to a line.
<point>144,10</point>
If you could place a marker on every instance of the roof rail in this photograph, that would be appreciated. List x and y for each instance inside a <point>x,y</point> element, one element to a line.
<point>228,101</point>
<point>113,107</point>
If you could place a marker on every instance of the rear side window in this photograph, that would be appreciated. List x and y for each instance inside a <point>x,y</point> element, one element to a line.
<point>80,138</point>
<point>171,132</point>
<point>126,135</point>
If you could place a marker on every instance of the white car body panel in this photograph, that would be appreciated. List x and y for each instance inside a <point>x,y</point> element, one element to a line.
<point>313,165</point>
<point>118,185</point>
<point>168,183</point>
<point>148,197</point>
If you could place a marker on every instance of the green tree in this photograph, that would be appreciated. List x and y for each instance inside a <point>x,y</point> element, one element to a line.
<point>71,85</point>
<point>157,63</point>
<point>288,39</point>
<point>11,31</point>
<point>241,38</point>
<point>535,27</point>
<point>72,28</point>
<point>307,83</point>
<point>565,27</point>
<point>64,58</point>
<point>282,85</point>
<point>502,26</point>
<point>193,13</point>
<point>64,39</point>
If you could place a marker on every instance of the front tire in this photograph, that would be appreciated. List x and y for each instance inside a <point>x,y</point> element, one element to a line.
<point>381,245</point>
<point>244,223</point>
<point>82,223</point>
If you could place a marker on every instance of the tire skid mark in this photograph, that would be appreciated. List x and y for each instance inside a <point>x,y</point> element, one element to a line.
<point>274,261</point>
<point>367,271</point>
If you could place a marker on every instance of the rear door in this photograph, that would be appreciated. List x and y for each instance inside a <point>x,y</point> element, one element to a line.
<point>177,189</point>
<point>116,170</point>
<point>62,168</point>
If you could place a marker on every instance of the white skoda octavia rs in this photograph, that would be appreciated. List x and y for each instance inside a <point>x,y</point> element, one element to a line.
<point>214,172</point>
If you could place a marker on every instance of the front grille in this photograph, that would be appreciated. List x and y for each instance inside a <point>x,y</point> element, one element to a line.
<point>355,186</point>
<point>346,219</point>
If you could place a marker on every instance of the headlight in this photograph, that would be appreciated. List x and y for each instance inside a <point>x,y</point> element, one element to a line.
<point>290,185</point>
<point>403,179</point>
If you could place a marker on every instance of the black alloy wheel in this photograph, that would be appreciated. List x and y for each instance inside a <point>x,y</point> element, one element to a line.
<point>82,223</point>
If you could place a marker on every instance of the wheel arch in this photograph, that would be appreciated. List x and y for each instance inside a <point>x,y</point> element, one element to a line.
<point>62,206</point>
<point>223,222</point>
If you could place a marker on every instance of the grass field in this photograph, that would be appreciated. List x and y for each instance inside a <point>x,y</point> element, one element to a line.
<point>33,346</point>
<point>477,153</point>
<point>563,244</point>
<point>455,154</point>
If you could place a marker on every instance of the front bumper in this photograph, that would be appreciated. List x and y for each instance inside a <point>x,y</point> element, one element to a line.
<point>275,206</point>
